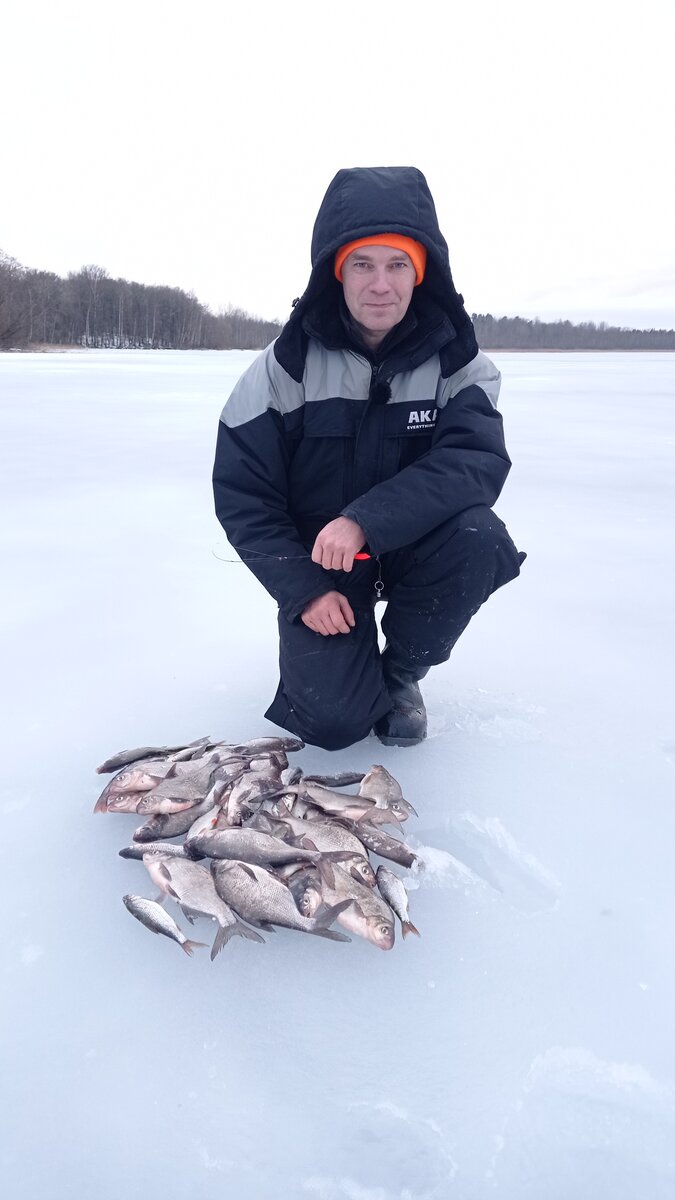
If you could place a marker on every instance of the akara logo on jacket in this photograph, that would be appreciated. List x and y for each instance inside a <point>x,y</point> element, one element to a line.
<point>422,418</point>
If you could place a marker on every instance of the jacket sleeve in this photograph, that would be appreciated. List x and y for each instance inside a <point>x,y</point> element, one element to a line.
<point>250,485</point>
<point>466,465</point>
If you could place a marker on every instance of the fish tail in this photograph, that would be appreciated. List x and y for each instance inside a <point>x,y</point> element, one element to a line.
<point>189,946</point>
<point>408,927</point>
<point>227,931</point>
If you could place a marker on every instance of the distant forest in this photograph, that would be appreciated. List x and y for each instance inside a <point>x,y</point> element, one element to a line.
<point>89,308</point>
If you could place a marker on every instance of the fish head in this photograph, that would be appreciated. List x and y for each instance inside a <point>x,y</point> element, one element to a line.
<point>126,802</point>
<point>361,869</point>
<point>380,932</point>
<point>400,810</point>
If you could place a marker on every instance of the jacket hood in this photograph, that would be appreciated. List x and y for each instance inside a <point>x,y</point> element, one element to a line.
<point>367,200</point>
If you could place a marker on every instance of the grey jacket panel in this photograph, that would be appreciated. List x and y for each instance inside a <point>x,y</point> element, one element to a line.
<point>344,374</point>
<point>263,385</point>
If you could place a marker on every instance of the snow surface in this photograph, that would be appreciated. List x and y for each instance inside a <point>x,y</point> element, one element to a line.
<point>523,1047</point>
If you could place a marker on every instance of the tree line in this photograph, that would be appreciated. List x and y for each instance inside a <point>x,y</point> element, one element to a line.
<point>89,308</point>
<point>517,333</point>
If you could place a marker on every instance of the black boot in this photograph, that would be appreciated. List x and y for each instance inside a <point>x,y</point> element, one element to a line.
<point>406,722</point>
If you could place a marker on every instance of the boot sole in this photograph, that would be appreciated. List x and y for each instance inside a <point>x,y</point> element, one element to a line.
<point>392,741</point>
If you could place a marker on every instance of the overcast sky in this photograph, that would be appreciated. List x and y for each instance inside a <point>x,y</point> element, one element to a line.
<point>191,144</point>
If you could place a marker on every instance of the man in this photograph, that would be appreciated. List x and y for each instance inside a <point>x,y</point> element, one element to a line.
<point>359,457</point>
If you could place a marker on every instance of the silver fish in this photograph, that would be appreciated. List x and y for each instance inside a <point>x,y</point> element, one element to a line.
<point>153,916</point>
<point>381,787</point>
<point>124,757</point>
<point>180,792</point>
<point>367,915</point>
<point>193,888</point>
<point>291,776</point>
<point>261,849</point>
<point>138,849</point>
<point>341,779</point>
<point>392,889</point>
<point>173,824</point>
<point>264,744</point>
<point>118,792</point>
<point>338,804</point>
<point>260,898</point>
<point>381,843</point>
<point>249,791</point>
<point>329,836</point>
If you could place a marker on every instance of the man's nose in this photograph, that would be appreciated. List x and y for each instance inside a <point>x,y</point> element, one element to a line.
<point>380,280</point>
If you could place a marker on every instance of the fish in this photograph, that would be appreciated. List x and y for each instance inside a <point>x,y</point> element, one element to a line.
<point>264,744</point>
<point>341,779</point>
<point>138,849</point>
<point>262,849</point>
<point>329,836</point>
<point>124,757</point>
<point>193,887</point>
<point>379,842</point>
<point>291,776</point>
<point>338,804</point>
<point>180,792</point>
<point>260,898</point>
<point>381,787</point>
<point>392,890</point>
<point>118,792</point>
<point>173,824</point>
<point>249,791</point>
<point>152,915</point>
<point>367,915</point>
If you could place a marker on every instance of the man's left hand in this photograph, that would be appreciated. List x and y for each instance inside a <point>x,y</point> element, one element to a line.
<point>336,545</point>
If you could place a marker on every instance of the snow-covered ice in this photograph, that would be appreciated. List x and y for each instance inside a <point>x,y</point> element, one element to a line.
<point>523,1046</point>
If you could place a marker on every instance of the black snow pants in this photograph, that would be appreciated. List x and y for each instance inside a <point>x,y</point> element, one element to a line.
<point>332,689</point>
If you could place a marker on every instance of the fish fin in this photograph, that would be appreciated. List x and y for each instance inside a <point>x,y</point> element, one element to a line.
<point>187,914</point>
<point>189,947</point>
<point>325,915</point>
<point>164,871</point>
<point>326,872</point>
<point>245,867</point>
<point>307,843</point>
<point>332,934</point>
<point>225,932</point>
<point>171,892</point>
<point>267,926</point>
<point>408,927</point>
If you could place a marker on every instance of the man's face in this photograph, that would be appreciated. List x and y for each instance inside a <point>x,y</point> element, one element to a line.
<point>378,284</point>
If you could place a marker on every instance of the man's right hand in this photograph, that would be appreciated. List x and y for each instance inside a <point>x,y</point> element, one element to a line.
<point>328,614</point>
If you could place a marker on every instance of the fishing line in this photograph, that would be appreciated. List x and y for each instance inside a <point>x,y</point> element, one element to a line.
<point>250,555</point>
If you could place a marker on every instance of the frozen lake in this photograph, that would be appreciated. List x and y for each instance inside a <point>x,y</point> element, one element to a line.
<point>522,1048</point>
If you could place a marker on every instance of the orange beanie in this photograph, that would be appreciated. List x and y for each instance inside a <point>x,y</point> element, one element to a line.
<point>416,252</point>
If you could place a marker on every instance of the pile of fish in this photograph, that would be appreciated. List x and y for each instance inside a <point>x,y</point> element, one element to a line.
<point>285,849</point>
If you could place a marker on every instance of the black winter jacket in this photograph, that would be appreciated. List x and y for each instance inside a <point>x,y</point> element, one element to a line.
<point>318,426</point>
